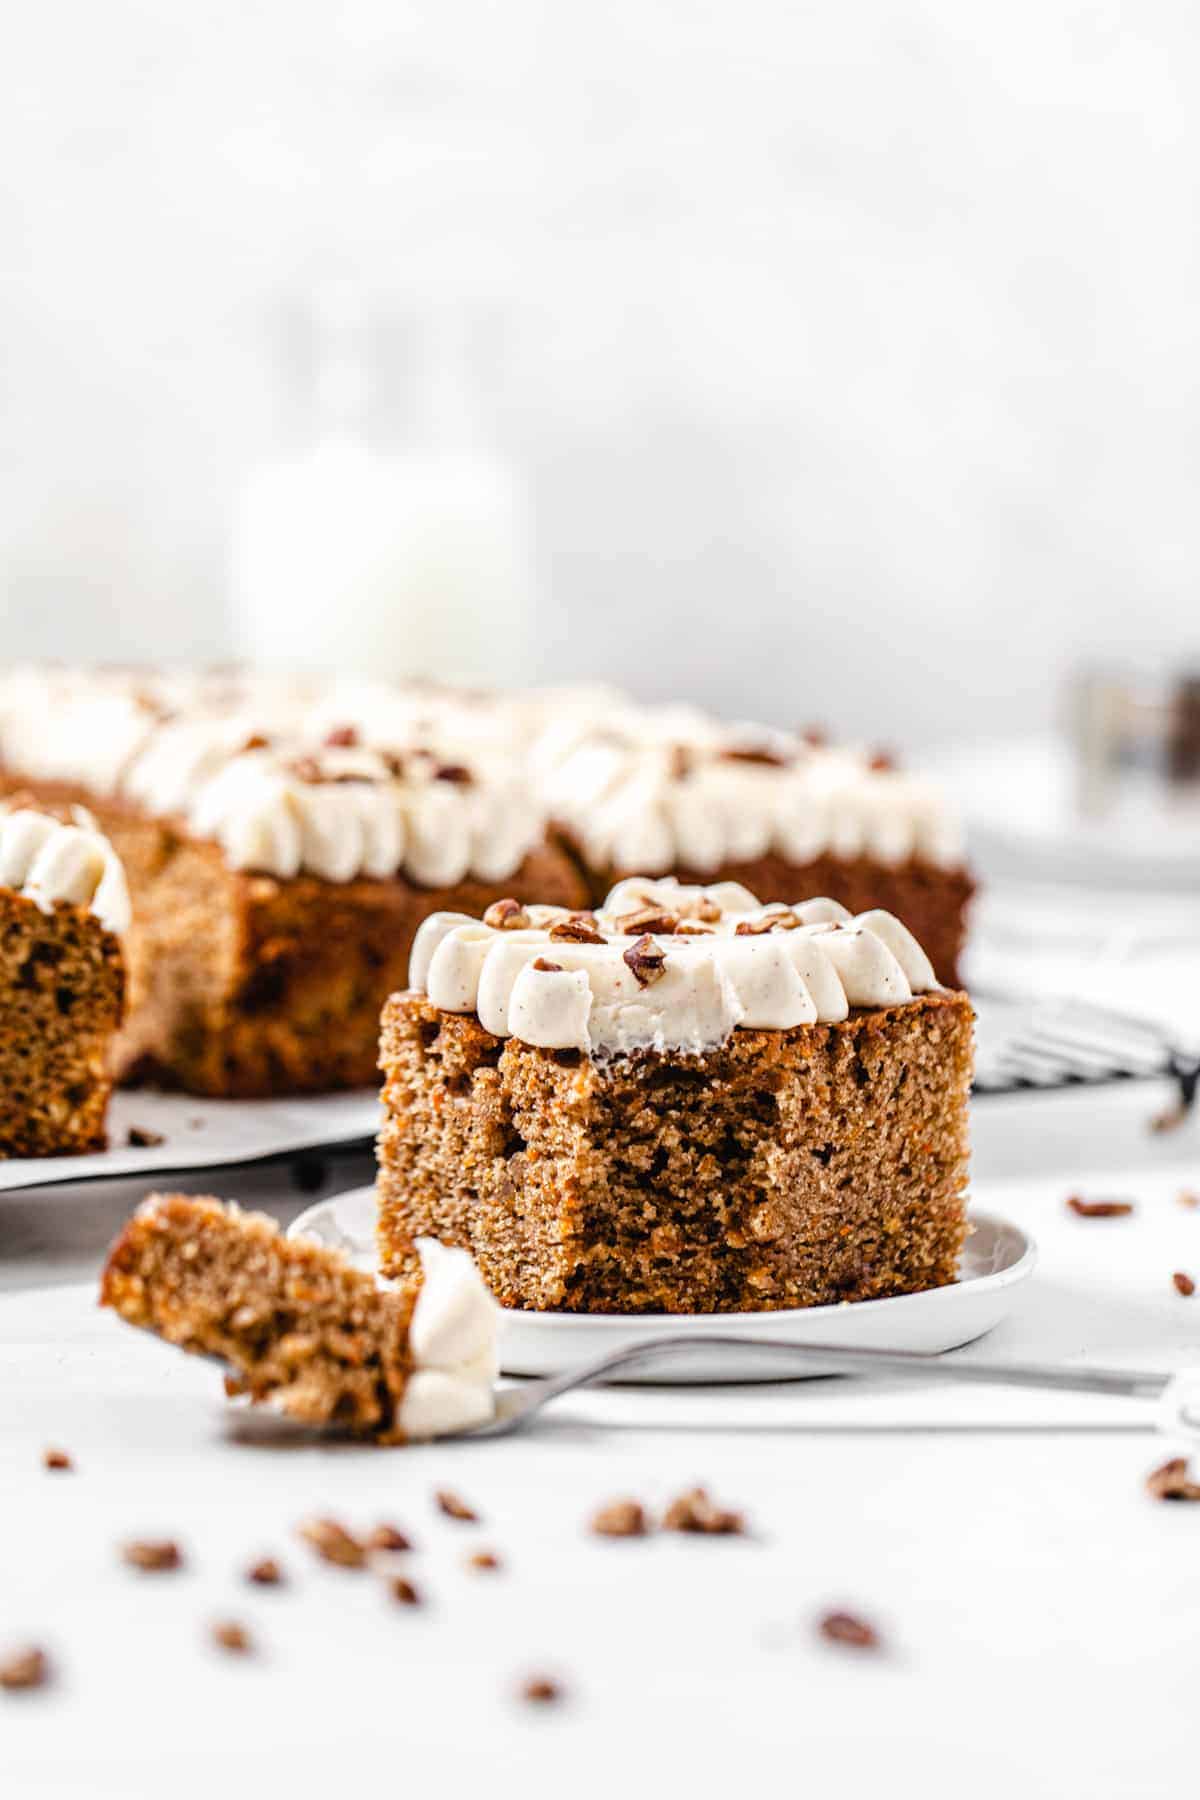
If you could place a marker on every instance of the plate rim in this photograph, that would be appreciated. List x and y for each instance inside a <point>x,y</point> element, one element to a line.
<point>665,1323</point>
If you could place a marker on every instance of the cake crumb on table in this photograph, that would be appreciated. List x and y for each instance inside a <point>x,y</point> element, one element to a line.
<point>694,1511</point>
<point>1172,1481</point>
<point>849,1630</point>
<point>455,1507</point>
<point>153,1555</point>
<point>619,1519</point>
<point>23,1669</point>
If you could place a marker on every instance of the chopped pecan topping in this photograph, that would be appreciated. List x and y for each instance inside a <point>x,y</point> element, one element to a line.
<point>484,1560</point>
<point>695,1511</point>
<point>139,1138</point>
<point>848,1629</point>
<point>756,753</point>
<point>404,1592</point>
<point>455,1507</point>
<point>544,966</point>
<point>342,737</point>
<point>458,773</point>
<point>574,931</point>
<point>694,928</point>
<point>506,915</point>
<point>266,1572</point>
<point>1099,1209</point>
<point>541,1690</point>
<point>152,1554</point>
<point>54,1458</point>
<point>1183,1284</point>
<point>333,1543</point>
<point>648,918</point>
<point>645,961</point>
<point>387,1537</point>
<point>620,1518</point>
<point>782,920</point>
<point>1172,1481</point>
<point>28,1668</point>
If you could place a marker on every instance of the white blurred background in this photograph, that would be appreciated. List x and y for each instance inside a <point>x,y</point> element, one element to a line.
<point>845,356</point>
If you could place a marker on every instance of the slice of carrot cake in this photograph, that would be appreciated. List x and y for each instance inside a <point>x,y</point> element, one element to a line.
<point>298,1326</point>
<point>686,1102</point>
<point>63,906</point>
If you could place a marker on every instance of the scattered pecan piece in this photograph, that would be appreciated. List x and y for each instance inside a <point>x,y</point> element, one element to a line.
<point>881,762</point>
<point>695,1511</point>
<point>645,961</point>
<point>544,966</point>
<point>266,1572</point>
<point>403,1592</point>
<point>574,931</point>
<point>1172,1481</point>
<point>342,737</point>
<point>654,919</point>
<point>620,1519</point>
<point>28,1668</point>
<point>152,1554</point>
<point>140,1138</point>
<point>756,753</point>
<point>1099,1209</point>
<point>54,1458</point>
<point>542,1690</point>
<point>848,1629</point>
<point>229,1635</point>
<point>458,773</point>
<point>1188,1199</point>
<point>1183,1284</point>
<point>506,915</point>
<point>455,1507</point>
<point>256,741</point>
<point>484,1560</point>
<point>387,1537</point>
<point>333,1543</point>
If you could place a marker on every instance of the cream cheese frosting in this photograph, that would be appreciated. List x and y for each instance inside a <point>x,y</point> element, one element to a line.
<point>50,862</point>
<point>664,966</point>
<point>677,791</point>
<point>452,1338</point>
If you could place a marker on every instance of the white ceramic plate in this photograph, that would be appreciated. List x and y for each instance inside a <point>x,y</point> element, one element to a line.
<point>999,1257</point>
<point>203,1134</point>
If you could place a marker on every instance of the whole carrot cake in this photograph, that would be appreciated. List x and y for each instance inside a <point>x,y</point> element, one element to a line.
<point>298,1327</point>
<point>63,906</point>
<point>684,1102</point>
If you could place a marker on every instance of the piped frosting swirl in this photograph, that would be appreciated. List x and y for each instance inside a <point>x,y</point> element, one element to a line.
<point>51,862</point>
<point>663,966</point>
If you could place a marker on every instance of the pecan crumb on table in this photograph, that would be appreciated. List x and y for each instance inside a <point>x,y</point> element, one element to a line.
<point>542,1690</point>
<point>1183,1283</point>
<point>28,1668</point>
<point>152,1554</point>
<point>695,1511</point>
<point>141,1138</point>
<point>229,1635</point>
<point>54,1458</point>
<point>620,1519</point>
<point>404,1593</point>
<point>1172,1481</point>
<point>848,1629</point>
<point>333,1543</point>
<point>1099,1209</point>
<point>485,1560</point>
<point>454,1506</point>
<point>266,1572</point>
<point>387,1537</point>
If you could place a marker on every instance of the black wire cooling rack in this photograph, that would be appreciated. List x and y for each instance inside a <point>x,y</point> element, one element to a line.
<point>1028,1043</point>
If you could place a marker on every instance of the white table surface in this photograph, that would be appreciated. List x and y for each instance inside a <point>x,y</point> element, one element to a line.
<point>1042,1616</point>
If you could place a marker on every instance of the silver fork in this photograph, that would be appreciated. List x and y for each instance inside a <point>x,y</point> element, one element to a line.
<point>1178,1395</point>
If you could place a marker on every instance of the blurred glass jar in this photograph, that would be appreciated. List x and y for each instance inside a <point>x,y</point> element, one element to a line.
<point>1136,741</point>
<point>390,540</point>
